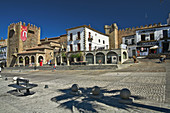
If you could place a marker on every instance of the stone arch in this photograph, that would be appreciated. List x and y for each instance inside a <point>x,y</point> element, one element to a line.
<point>124,55</point>
<point>90,58</point>
<point>21,59</point>
<point>40,58</point>
<point>112,57</point>
<point>27,61</point>
<point>100,58</point>
<point>32,59</point>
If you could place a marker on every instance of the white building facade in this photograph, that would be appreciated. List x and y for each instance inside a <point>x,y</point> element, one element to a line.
<point>85,38</point>
<point>3,55</point>
<point>85,44</point>
<point>153,40</point>
<point>129,43</point>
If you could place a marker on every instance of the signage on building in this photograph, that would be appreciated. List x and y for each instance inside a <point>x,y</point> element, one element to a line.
<point>147,43</point>
<point>147,30</point>
<point>143,49</point>
<point>23,33</point>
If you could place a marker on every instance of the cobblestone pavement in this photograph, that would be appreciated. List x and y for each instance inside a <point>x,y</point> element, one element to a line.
<point>146,81</point>
<point>167,90</point>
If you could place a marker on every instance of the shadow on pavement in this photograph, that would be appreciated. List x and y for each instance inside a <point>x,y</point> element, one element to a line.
<point>84,103</point>
<point>151,107</point>
<point>20,94</point>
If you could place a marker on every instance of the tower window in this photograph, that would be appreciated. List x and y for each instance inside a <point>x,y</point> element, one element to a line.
<point>30,31</point>
<point>11,33</point>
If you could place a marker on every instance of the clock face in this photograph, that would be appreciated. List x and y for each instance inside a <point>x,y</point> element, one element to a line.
<point>11,33</point>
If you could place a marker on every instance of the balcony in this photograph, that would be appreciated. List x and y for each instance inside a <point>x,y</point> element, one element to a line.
<point>90,38</point>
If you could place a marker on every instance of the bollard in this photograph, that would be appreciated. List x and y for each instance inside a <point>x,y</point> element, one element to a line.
<point>75,87</point>
<point>96,93</point>
<point>124,96</point>
<point>6,79</point>
<point>96,90</point>
<point>75,90</point>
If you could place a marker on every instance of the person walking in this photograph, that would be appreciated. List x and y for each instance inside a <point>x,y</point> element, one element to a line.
<point>135,59</point>
<point>162,58</point>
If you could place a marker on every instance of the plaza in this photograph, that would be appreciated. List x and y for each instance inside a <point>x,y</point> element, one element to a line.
<point>147,81</point>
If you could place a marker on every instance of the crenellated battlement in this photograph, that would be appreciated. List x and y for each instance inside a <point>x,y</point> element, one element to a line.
<point>126,31</point>
<point>30,26</point>
<point>15,41</point>
<point>140,28</point>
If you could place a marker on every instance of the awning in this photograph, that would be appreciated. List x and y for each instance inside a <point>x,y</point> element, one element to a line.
<point>154,47</point>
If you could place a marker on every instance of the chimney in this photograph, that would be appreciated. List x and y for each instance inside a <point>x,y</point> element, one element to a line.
<point>46,39</point>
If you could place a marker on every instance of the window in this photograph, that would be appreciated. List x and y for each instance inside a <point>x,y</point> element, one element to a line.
<point>30,31</point>
<point>71,47</point>
<point>152,36</point>
<point>126,42</point>
<point>89,35</point>
<point>89,47</point>
<point>78,34</point>
<point>11,33</point>
<point>99,40</point>
<point>103,42</point>
<point>71,36</point>
<point>20,60</point>
<point>165,33</point>
<point>142,37</point>
<point>133,41</point>
<point>78,46</point>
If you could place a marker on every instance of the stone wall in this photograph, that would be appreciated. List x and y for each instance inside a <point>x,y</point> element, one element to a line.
<point>112,31</point>
<point>16,45</point>
<point>49,55</point>
<point>63,40</point>
<point>33,37</point>
<point>115,35</point>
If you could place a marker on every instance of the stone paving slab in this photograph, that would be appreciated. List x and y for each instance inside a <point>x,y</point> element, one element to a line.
<point>167,93</point>
<point>147,89</point>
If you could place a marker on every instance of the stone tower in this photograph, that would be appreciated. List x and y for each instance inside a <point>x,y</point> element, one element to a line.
<point>17,45</point>
<point>112,31</point>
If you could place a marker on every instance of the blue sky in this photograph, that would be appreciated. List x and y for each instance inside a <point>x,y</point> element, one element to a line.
<point>54,16</point>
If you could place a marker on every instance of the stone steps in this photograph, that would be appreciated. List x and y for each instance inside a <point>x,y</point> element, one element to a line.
<point>72,67</point>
